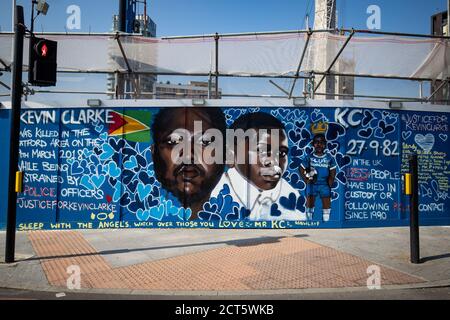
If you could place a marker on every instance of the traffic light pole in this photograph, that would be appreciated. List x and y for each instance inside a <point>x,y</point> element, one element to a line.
<point>414,210</point>
<point>16,97</point>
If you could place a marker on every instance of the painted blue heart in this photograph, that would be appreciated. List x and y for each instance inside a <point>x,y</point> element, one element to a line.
<point>234,113</point>
<point>97,151</point>
<point>76,168</point>
<point>104,136</point>
<point>107,153</point>
<point>300,205</point>
<point>143,215</point>
<point>317,116</point>
<point>342,160</point>
<point>387,128</point>
<point>98,180</point>
<point>295,152</point>
<point>406,134</point>
<point>85,181</point>
<point>132,186</point>
<point>274,212</point>
<point>234,215</point>
<point>300,124</point>
<point>368,117</point>
<point>151,201</point>
<point>116,144</point>
<point>99,128</point>
<point>334,195</point>
<point>128,152</point>
<point>334,131</point>
<point>145,178</point>
<point>87,153</point>
<point>283,113</point>
<point>208,207</point>
<point>391,119</point>
<point>141,161</point>
<point>143,190</point>
<point>157,212</point>
<point>296,182</point>
<point>305,138</point>
<point>171,210</point>
<point>137,204</point>
<point>365,133</point>
<point>184,213</point>
<point>333,146</point>
<point>113,170</point>
<point>125,199</point>
<point>127,176</point>
<point>131,163</point>
<point>209,216</point>
<point>112,181</point>
<point>117,191</point>
<point>295,136</point>
<point>289,202</point>
<point>155,192</point>
<point>341,177</point>
<point>379,133</point>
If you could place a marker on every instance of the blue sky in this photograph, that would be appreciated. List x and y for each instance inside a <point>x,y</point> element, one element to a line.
<point>181,17</point>
<point>186,17</point>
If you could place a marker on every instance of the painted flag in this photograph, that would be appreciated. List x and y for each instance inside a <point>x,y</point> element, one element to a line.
<point>132,125</point>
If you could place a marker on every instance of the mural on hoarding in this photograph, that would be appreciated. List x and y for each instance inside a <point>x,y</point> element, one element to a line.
<point>228,167</point>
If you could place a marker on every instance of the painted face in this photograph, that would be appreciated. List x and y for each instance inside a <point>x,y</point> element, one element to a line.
<point>319,144</point>
<point>265,165</point>
<point>188,176</point>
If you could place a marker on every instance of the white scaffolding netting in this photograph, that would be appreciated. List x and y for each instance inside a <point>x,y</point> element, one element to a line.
<point>267,55</point>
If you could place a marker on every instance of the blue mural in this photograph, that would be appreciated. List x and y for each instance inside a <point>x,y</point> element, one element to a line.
<point>334,168</point>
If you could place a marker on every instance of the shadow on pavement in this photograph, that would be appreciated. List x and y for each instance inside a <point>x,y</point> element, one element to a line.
<point>237,243</point>
<point>437,257</point>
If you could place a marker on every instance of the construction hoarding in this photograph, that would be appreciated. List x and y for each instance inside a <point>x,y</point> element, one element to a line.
<point>329,165</point>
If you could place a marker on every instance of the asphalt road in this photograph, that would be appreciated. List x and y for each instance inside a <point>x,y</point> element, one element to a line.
<point>440,293</point>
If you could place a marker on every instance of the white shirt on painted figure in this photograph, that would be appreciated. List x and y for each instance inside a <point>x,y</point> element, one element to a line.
<point>258,202</point>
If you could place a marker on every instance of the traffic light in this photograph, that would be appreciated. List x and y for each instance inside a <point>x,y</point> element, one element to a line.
<point>42,62</point>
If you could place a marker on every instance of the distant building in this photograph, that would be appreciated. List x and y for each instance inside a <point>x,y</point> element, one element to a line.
<point>439,27</point>
<point>192,90</point>
<point>135,85</point>
<point>333,87</point>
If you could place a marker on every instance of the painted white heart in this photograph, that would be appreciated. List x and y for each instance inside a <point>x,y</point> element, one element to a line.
<point>406,134</point>
<point>426,142</point>
<point>443,137</point>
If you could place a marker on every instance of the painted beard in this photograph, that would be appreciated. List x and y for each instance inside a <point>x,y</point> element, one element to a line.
<point>187,173</point>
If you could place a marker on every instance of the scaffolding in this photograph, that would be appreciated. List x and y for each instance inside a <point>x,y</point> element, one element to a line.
<point>214,41</point>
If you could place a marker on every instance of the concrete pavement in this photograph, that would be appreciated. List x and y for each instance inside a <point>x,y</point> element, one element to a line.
<point>226,262</point>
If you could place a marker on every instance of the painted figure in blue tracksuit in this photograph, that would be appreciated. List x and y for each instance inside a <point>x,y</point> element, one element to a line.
<point>318,170</point>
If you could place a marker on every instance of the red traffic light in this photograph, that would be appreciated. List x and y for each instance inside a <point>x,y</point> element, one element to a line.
<point>42,49</point>
<point>42,62</point>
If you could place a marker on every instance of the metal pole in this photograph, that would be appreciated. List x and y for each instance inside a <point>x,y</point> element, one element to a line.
<point>209,86</point>
<point>216,39</point>
<point>437,90</point>
<point>420,89</point>
<point>335,59</point>
<point>122,15</point>
<point>414,210</point>
<point>300,63</point>
<point>448,15</point>
<point>16,96</point>
<point>13,14</point>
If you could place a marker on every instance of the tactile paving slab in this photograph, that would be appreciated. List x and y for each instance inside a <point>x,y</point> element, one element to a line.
<point>288,263</point>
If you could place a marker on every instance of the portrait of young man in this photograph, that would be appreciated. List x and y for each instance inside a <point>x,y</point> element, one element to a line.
<point>183,161</point>
<point>255,178</point>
